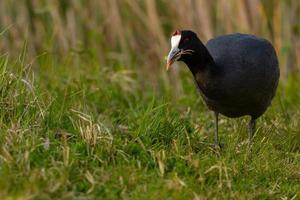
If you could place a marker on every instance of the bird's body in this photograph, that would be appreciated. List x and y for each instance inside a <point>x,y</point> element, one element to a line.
<point>246,75</point>
<point>236,74</point>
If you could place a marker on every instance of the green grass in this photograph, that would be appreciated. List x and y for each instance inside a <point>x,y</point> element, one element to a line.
<point>72,129</point>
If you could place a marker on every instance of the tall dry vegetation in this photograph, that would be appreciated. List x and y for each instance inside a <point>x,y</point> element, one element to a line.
<point>131,30</point>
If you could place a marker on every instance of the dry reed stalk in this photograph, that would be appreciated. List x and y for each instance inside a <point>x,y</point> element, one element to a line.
<point>202,9</point>
<point>241,21</point>
<point>251,11</point>
<point>71,27</point>
<point>59,32</point>
<point>155,27</point>
<point>228,14</point>
<point>184,21</point>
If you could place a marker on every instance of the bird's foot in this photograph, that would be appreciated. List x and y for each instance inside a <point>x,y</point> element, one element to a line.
<point>218,146</point>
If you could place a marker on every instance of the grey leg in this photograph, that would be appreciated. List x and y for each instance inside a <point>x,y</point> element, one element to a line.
<point>251,130</point>
<point>216,129</point>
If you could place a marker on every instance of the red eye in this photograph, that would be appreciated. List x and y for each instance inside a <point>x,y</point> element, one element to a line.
<point>186,40</point>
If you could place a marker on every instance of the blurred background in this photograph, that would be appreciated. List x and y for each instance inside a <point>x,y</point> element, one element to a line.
<point>135,33</point>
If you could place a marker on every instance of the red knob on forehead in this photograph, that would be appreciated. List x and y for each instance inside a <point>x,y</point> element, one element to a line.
<point>177,32</point>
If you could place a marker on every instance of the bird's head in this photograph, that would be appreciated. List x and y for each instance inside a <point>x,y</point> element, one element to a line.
<point>183,45</point>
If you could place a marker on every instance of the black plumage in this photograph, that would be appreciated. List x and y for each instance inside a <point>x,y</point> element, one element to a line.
<point>236,74</point>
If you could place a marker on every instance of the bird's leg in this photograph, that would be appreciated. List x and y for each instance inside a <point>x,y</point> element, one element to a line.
<point>217,144</point>
<point>251,130</point>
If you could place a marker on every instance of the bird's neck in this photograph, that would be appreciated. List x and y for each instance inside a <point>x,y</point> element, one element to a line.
<point>204,69</point>
<point>201,60</point>
<point>203,65</point>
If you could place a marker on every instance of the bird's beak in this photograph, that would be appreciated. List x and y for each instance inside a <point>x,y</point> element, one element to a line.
<point>172,57</point>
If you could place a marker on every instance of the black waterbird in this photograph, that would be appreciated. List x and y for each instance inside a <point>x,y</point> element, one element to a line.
<point>236,74</point>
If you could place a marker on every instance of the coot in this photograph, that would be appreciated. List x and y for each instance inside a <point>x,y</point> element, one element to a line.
<point>236,74</point>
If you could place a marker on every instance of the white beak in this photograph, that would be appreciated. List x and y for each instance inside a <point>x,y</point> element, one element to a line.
<point>173,55</point>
